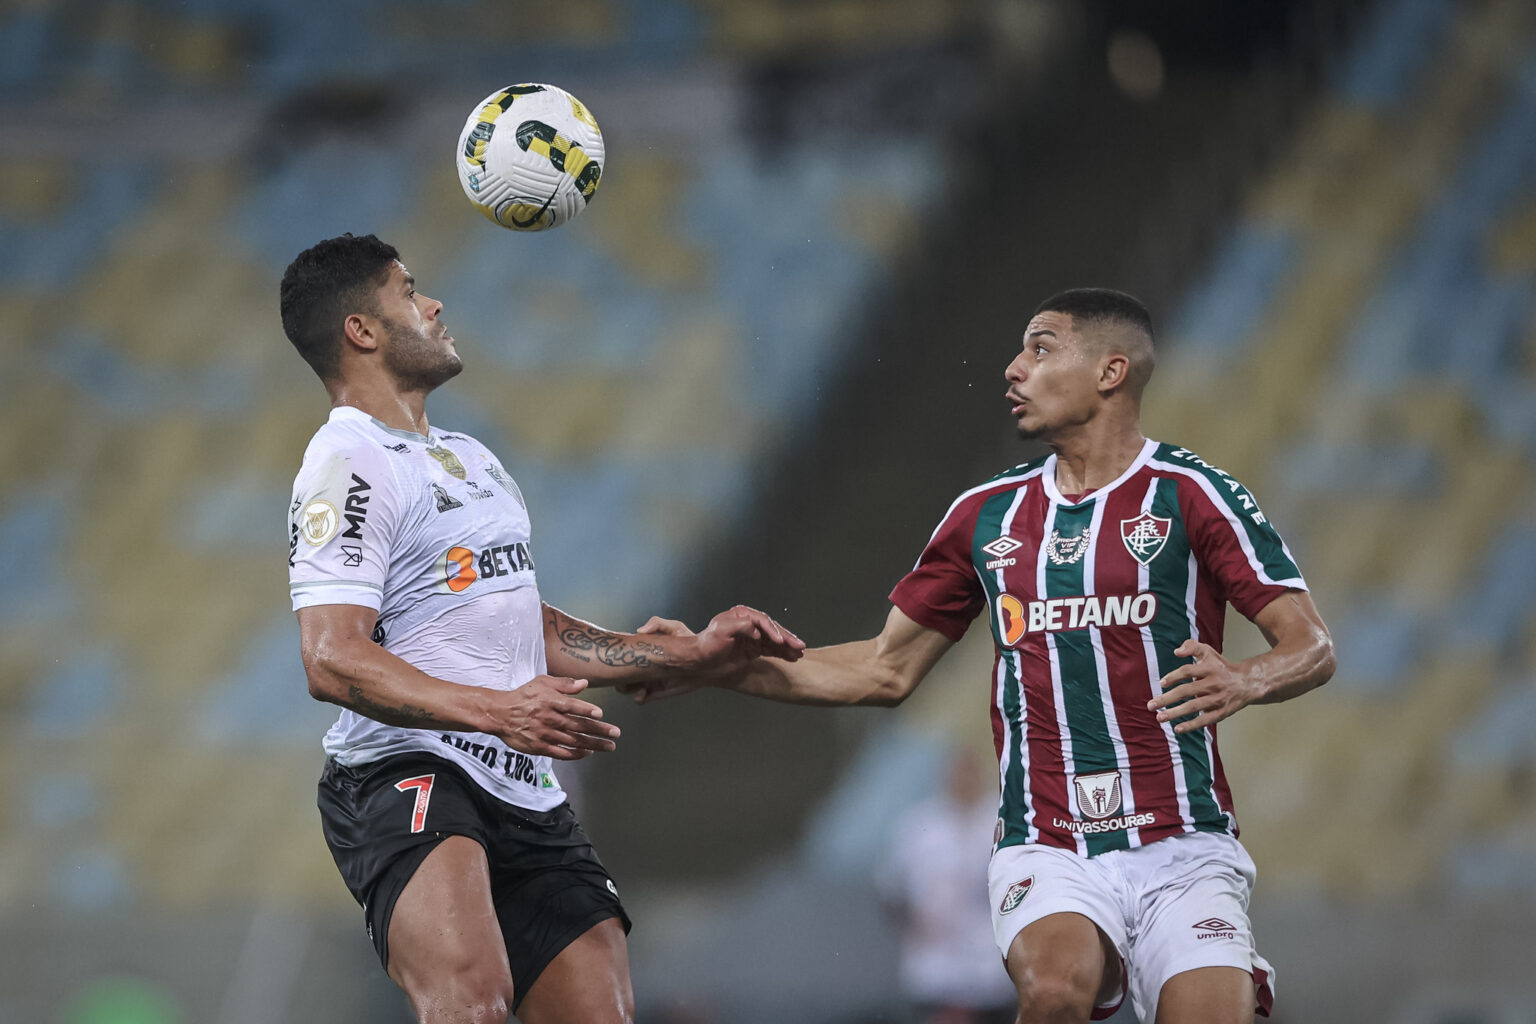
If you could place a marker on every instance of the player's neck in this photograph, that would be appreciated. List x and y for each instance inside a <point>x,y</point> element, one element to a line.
<point>1095,455</point>
<point>399,410</point>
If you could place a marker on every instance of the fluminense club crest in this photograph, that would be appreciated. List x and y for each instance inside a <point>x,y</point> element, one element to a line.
<point>1015,894</point>
<point>1145,536</point>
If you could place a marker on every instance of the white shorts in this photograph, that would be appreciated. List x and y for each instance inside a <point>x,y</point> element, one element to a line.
<point>1168,907</point>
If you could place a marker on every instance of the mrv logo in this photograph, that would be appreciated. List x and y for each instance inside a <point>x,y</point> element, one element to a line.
<point>1015,618</point>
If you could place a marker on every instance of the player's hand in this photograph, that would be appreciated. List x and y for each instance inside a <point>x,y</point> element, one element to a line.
<point>726,646</point>
<point>1203,692</point>
<point>544,717</point>
<point>740,634</point>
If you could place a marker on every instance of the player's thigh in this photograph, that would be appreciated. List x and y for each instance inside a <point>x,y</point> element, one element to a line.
<point>445,943</point>
<point>1063,962</point>
<point>1208,995</point>
<point>586,983</point>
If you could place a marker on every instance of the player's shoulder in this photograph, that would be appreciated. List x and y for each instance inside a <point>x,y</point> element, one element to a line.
<point>463,440</point>
<point>351,441</point>
<point>1205,479</point>
<point>1176,457</point>
<point>1011,479</point>
<point>1023,470</point>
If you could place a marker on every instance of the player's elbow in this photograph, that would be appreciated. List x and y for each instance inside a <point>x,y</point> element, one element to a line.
<point>321,669</point>
<point>1327,661</point>
<point>891,689</point>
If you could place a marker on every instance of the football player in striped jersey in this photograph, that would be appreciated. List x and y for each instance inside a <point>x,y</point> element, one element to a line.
<point>1106,568</point>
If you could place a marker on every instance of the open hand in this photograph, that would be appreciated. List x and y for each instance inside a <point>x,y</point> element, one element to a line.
<point>1208,689</point>
<point>543,717</point>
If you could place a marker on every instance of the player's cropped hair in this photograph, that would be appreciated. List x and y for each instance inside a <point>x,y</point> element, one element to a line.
<point>324,285</point>
<point>1099,305</point>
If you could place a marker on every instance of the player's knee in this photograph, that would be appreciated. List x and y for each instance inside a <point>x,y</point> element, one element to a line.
<point>1048,996</point>
<point>466,997</point>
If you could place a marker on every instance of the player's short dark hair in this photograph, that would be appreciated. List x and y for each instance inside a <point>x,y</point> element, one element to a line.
<point>324,285</point>
<point>1099,306</point>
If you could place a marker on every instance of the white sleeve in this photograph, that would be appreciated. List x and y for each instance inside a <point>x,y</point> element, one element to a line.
<point>342,525</point>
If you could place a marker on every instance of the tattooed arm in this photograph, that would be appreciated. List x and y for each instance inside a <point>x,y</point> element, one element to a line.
<point>578,648</point>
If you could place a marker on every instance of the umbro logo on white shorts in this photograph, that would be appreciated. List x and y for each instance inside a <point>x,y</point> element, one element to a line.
<point>1213,928</point>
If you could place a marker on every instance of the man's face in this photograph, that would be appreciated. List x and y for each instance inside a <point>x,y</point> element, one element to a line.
<point>418,349</point>
<point>1052,382</point>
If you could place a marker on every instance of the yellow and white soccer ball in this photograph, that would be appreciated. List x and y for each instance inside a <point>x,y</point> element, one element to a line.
<point>530,157</point>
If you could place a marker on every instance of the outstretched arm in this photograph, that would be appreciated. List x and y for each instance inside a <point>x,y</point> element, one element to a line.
<point>1211,688</point>
<point>606,658</point>
<point>881,671</point>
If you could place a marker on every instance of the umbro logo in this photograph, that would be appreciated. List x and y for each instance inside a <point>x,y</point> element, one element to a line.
<point>1214,928</point>
<point>1002,546</point>
<point>999,550</point>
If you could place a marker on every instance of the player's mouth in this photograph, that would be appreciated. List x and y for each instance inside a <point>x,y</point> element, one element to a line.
<point>1018,402</point>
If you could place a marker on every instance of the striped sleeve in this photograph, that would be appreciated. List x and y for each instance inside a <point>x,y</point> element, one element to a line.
<point>1236,543</point>
<point>942,591</point>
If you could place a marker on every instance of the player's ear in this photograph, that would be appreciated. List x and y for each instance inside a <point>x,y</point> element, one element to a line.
<point>360,332</point>
<point>1113,371</point>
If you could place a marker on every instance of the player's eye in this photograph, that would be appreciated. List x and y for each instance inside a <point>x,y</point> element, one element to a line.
<point>1039,349</point>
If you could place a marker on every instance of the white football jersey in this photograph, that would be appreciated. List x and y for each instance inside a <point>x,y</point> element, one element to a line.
<point>433,534</point>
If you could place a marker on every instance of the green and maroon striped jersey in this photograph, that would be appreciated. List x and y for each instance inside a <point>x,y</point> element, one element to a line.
<point>1088,600</point>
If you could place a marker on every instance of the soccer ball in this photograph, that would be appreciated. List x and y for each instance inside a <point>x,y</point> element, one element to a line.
<point>530,157</point>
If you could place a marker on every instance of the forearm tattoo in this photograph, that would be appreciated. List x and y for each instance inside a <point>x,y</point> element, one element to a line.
<point>408,715</point>
<point>584,642</point>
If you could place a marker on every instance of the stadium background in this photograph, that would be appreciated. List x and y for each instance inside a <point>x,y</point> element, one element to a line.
<point>758,370</point>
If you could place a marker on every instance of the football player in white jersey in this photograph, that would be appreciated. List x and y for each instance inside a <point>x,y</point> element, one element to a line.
<point>411,570</point>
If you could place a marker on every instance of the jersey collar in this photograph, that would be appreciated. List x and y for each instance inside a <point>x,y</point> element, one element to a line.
<point>1048,477</point>
<point>349,412</point>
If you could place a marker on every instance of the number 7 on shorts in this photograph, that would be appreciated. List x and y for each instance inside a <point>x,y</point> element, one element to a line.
<point>422,784</point>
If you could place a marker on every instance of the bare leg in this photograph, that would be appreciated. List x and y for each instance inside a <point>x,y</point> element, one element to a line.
<point>1207,995</point>
<point>1061,966</point>
<point>587,983</point>
<point>445,945</point>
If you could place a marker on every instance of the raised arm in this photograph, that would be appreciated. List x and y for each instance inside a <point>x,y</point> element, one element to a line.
<point>607,658</point>
<point>346,667</point>
<point>1300,658</point>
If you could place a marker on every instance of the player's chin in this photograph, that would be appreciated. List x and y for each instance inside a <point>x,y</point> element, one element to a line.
<point>1029,431</point>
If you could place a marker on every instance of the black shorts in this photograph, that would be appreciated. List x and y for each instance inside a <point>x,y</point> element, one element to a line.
<point>546,882</point>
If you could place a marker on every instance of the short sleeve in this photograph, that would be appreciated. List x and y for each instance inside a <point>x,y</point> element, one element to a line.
<point>342,524</point>
<point>942,591</point>
<point>1237,545</point>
